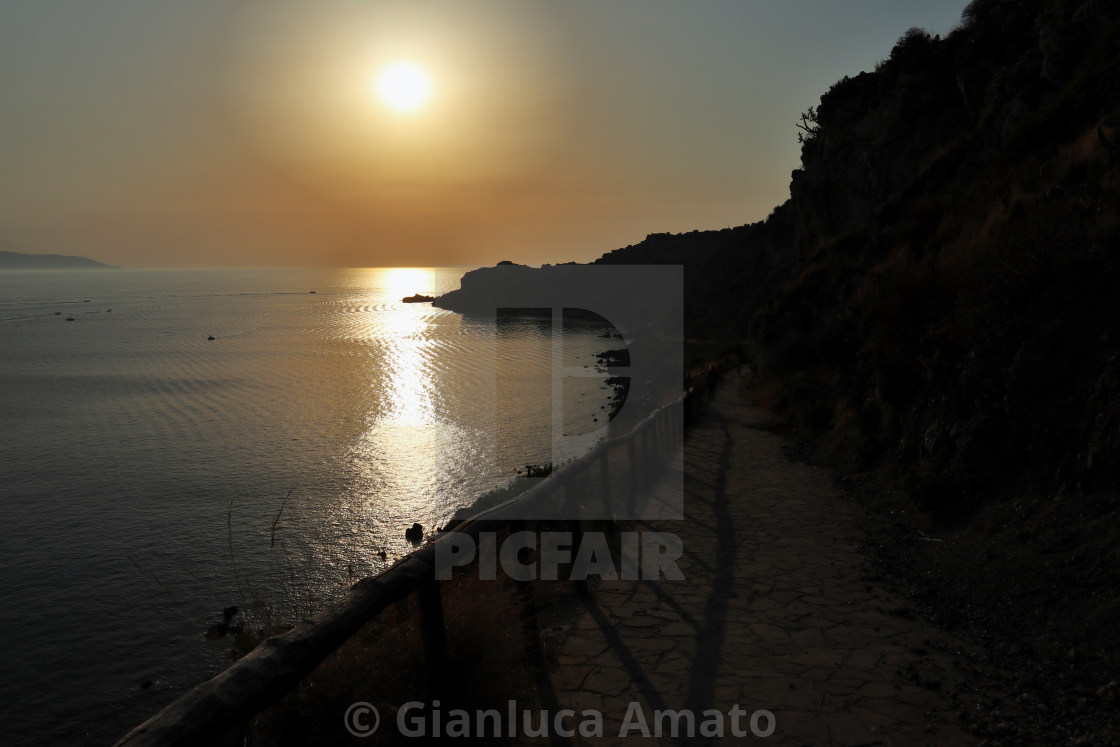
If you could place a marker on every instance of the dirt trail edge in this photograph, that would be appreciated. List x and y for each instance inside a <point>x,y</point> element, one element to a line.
<point>775,613</point>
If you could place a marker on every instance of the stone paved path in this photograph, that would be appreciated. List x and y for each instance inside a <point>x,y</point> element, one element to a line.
<point>774,613</point>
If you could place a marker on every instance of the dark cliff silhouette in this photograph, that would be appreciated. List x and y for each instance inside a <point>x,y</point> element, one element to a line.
<point>939,292</point>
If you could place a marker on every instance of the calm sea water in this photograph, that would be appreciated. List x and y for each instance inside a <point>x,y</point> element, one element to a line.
<point>150,476</point>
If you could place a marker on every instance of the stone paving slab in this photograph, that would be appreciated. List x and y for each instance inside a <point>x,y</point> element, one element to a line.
<point>774,614</point>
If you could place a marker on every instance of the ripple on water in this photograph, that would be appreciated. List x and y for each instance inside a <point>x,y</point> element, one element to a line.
<point>158,475</point>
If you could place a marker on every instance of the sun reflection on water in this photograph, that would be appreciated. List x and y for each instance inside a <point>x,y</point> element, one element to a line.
<point>452,406</point>
<point>404,460</point>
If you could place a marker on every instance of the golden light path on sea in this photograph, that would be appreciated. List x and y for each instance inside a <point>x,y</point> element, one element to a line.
<point>408,461</point>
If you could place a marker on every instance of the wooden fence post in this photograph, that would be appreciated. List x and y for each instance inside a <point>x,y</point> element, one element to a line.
<point>649,454</point>
<point>529,627</point>
<point>605,488</point>
<point>632,465</point>
<point>575,521</point>
<point>433,636</point>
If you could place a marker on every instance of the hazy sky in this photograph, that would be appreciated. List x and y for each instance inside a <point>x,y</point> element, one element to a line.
<point>155,133</point>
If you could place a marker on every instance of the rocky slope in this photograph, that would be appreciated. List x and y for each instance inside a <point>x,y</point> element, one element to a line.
<point>938,294</point>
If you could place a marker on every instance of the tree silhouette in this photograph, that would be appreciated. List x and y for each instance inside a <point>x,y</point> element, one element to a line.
<point>808,125</point>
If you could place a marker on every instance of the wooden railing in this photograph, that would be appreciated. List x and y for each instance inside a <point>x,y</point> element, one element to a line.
<point>277,664</point>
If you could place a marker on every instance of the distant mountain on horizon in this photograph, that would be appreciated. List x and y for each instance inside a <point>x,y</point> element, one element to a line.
<point>21,261</point>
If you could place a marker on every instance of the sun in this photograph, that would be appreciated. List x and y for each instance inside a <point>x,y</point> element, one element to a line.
<point>403,86</point>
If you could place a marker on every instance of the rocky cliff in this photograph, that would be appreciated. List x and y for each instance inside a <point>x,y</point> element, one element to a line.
<point>938,294</point>
<point>936,300</point>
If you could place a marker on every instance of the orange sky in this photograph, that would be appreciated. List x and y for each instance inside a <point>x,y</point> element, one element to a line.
<point>249,133</point>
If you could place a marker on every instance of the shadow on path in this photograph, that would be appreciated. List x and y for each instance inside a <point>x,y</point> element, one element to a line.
<point>774,616</point>
<point>701,689</point>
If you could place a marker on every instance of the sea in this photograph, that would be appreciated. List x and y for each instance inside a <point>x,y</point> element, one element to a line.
<point>176,442</point>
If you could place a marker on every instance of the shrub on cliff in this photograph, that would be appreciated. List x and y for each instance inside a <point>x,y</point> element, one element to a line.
<point>912,47</point>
